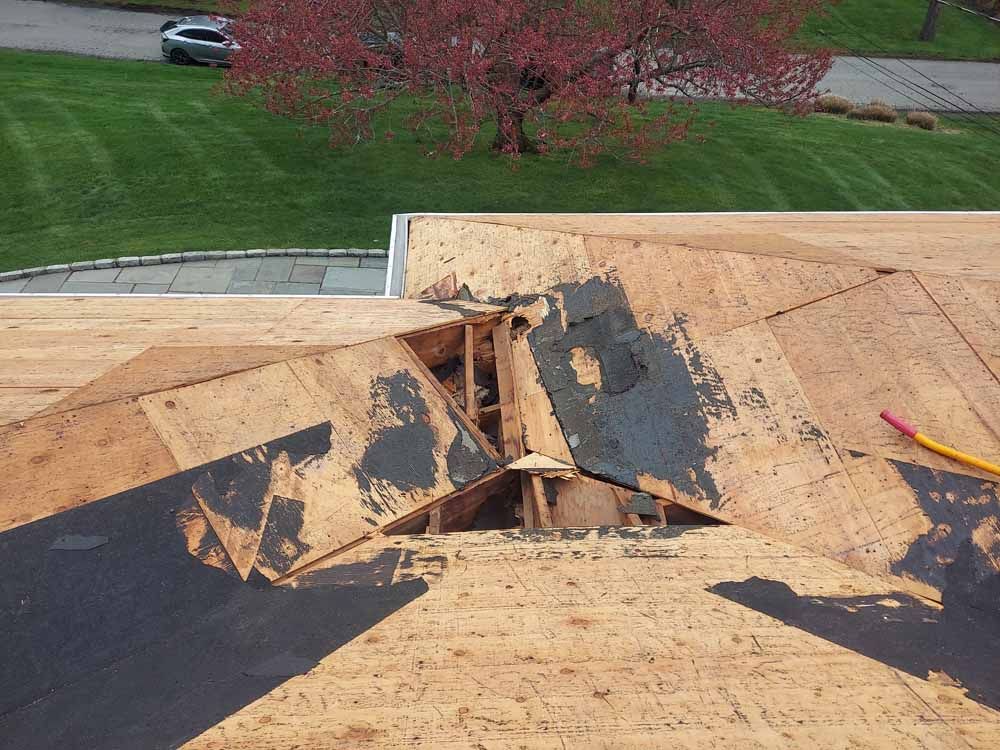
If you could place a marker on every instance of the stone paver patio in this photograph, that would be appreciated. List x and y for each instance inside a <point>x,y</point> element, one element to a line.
<point>259,275</point>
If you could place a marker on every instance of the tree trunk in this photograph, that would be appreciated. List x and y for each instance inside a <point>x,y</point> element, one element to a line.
<point>515,139</point>
<point>633,88</point>
<point>929,30</point>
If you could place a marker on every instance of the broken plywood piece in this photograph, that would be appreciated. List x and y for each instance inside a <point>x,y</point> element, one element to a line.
<point>443,289</point>
<point>541,431</point>
<point>764,645</point>
<point>640,504</point>
<point>888,345</point>
<point>314,454</point>
<point>719,425</point>
<point>549,468</point>
<point>582,501</point>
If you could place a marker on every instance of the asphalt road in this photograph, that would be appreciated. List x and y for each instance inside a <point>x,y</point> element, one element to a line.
<point>860,80</point>
<point>31,24</point>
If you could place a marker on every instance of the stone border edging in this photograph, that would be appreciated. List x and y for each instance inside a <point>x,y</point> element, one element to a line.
<point>156,260</point>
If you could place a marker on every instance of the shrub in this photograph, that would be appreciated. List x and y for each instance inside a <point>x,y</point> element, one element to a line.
<point>834,105</point>
<point>924,120</point>
<point>874,110</point>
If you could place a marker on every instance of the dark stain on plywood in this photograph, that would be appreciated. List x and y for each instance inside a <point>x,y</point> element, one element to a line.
<point>959,554</point>
<point>551,491</point>
<point>138,643</point>
<point>627,533</point>
<point>466,460</point>
<point>649,414</point>
<point>455,306</point>
<point>399,457</point>
<point>235,487</point>
<point>280,544</point>
<point>955,644</point>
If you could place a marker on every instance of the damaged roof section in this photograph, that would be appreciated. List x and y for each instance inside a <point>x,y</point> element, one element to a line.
<point>287,463</point>
<point>291,475</point>
<point>736,366</point>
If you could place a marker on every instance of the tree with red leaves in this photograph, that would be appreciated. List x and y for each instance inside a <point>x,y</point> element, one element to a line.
<point>566,74</point>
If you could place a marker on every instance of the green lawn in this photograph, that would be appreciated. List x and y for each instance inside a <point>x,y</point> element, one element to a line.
<point>890,27</point>
<point>105,158</point>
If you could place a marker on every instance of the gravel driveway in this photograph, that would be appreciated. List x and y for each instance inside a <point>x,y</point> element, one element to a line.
<point>30,24</point>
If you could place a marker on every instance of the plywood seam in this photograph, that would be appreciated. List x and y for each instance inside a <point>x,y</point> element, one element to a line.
<point>156,431</point>
<point>679,243</point>
<point>836,449</point>
<point>156,391</point>
<point>929,707</point>
<point>817,300</point>
<point>279,321</point>
<point>920,283</point>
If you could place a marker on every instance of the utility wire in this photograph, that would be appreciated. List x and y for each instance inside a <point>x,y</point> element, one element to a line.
<point>969,10</point>
<point>967,119</point>
<point>915,87</point>
<point>887,84</point>
<point>935,98</point>
<point>880,48</point>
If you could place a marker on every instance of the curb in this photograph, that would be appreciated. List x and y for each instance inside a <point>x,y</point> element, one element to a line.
<point>156,260</point>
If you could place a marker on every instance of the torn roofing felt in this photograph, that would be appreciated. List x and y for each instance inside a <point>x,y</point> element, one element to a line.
<point>648,414</point>
<point>733,376</point>
<point>648,420</point>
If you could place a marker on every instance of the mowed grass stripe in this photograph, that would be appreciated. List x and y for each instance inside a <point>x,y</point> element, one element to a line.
<point>240,142</point>
<point>763,179</point>
<point>74,130</point>
<point>846,189</point>
<point>216,173</point>
<point>185,140</point>
<point>24,150</point>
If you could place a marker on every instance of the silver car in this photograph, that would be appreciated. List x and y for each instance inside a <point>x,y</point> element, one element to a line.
<point>204,39</point>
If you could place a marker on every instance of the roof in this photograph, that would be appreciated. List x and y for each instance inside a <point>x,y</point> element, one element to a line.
<point>600,480</point>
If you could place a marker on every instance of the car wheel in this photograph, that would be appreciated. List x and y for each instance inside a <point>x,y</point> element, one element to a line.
<point>179,56</point>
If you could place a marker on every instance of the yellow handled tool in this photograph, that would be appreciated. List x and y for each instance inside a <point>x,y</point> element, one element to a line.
<point>944,450</point>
